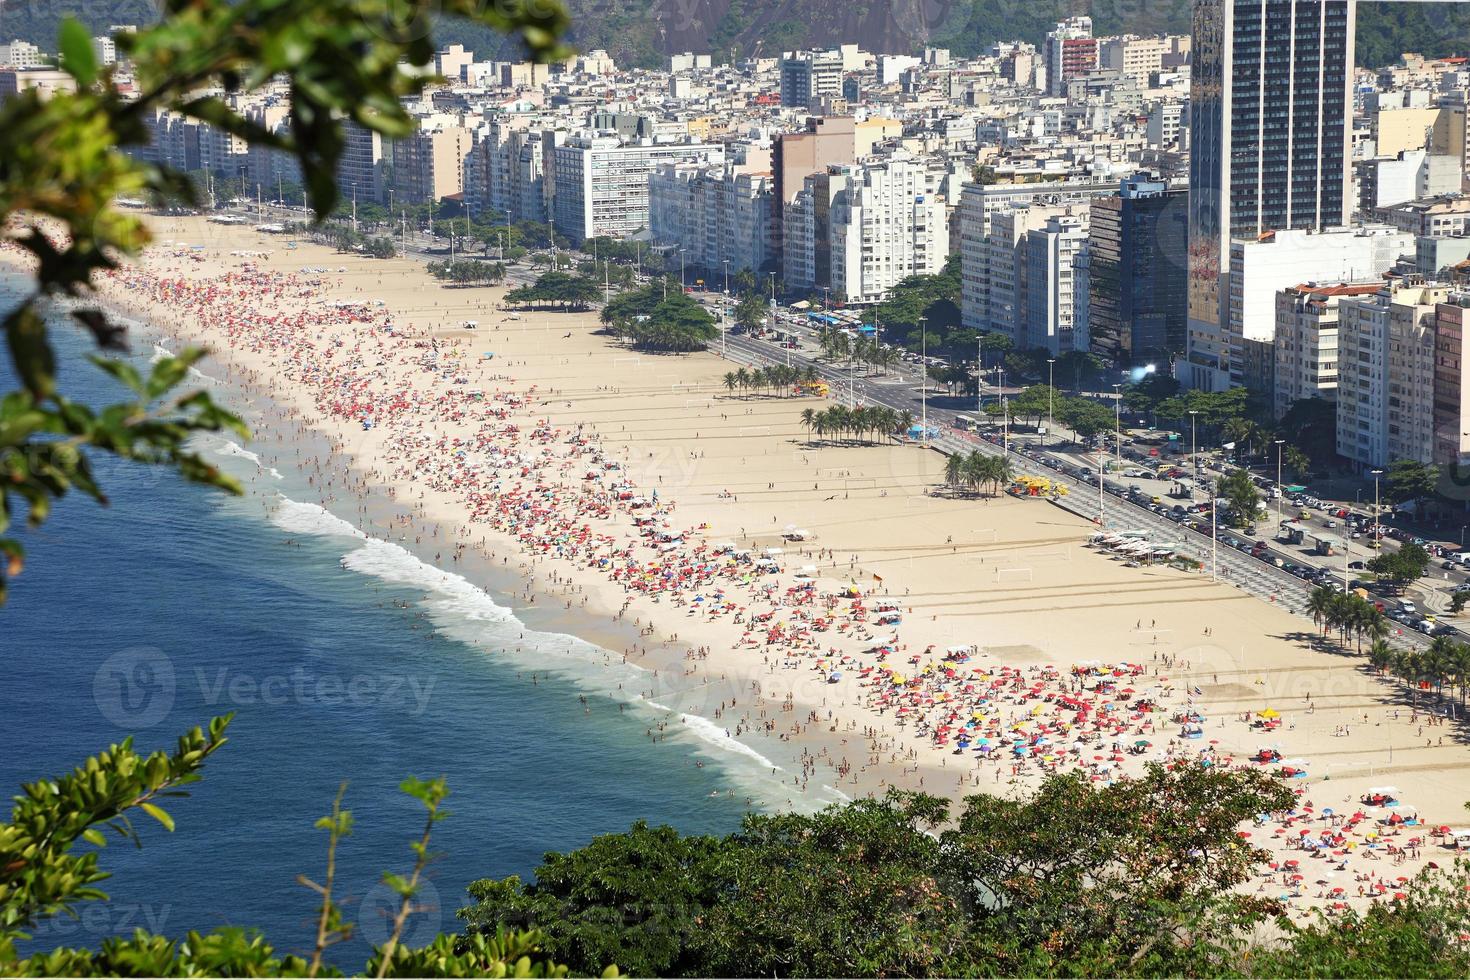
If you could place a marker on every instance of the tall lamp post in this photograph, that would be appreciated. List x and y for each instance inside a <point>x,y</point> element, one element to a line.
<point>1005,413</point>
<point>1118,424</point>
<point>1193,444</point>
<point>1377,521</point>
<point>923,378</point>
<point>1050,400</point>
<point>1281,496</point>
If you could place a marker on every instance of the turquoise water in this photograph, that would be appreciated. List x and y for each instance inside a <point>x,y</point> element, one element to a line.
<point>344,660</point>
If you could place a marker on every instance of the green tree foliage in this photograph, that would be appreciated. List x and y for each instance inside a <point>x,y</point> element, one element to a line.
<point>1086,417</point>
<point>752,311</point>
<point>1406,481</point>
<point>660,318</point>
<point>975,471</point>
<point>1075,879</point>
<point>861,423</point>
<point>1237,488</point>
<point>561,289</point>
<point>1400,567</point>
<point>1310,426</point>
<point>935,297</point>
<point>1347,614</point>
<point>65,159</point>
<point>467,272</point>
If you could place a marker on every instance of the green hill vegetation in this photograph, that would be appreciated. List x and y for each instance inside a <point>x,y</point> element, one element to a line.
<point>643,32</point>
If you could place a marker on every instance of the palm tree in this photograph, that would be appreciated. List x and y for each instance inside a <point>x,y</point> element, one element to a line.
<point>954,470</point>
<point>1380,655</point>
<point>742,378</point>
<point>1319,603</point>
<point>808,420</point>
<point>730,381</point>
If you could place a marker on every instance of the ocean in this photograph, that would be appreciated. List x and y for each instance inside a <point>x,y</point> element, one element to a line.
<point>345,659</point>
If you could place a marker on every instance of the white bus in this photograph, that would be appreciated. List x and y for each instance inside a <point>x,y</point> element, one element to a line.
<point>966,423</point>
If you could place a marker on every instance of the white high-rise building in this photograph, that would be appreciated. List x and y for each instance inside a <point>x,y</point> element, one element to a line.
<point>601,184</point>
<point>1052,253</point>
<point>1070,52</point>
<point>21,54</point>
<point>1385,387</point>
<point>1307,341</point>
<point>720,216</point>
<point>1262,268</point>
<point>888,224</point>
<point>978,202</point>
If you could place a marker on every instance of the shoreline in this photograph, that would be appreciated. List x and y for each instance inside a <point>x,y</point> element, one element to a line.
<point>874,523</point>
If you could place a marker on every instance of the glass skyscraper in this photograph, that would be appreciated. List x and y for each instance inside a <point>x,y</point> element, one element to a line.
<point>1270,135</point>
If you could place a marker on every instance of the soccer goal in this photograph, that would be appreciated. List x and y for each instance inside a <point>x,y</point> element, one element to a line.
<point>986,535</point>
<point>1013,574</point>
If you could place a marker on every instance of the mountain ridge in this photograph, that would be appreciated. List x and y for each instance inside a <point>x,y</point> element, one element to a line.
<point>643,33</point>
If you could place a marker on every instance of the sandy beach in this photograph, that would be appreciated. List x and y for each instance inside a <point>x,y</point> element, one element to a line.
<point>907,639</point>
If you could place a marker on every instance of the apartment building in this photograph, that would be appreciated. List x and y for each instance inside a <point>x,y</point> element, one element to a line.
<point>1452,388</point>
<point>1070,52</point>
<point>719,215</point>
<point>600,184</point>
<point>1005,265</point>
<point>1306,341</point>
<point>809,76</point>
<point>1052,295</point>
<point>1439,217</point>
<point>429,165</point>
<point>889,222</point>
<point>977,204</point>
<point>1386,373</point>
<point>807,258</point>
<point>1261,268</point>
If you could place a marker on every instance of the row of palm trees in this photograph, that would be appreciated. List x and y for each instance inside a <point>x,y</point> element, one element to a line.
<point>780,377</point>
<point>860,423</point>
<point>1444,663</point>
<point>839,346</point>
<point>978,470</point>
<point>1347,614</point>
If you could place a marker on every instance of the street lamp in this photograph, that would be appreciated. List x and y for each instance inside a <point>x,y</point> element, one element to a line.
<point>1118,424</point>
<point>923,378</point>
<point>1279,495</point>
<point>1005,411</point>
<point>1377,521</point>
<point>727,276</point>
<point>1193,444</point>
<point>1050,399</point>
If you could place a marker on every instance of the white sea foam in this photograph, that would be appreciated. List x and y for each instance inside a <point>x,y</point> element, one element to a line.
<point>160,352</point>
<point>462,611</point>
<point>710,731</point>
<point>450,595</point>
<point>299,518</point>
<point>232,448</point>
